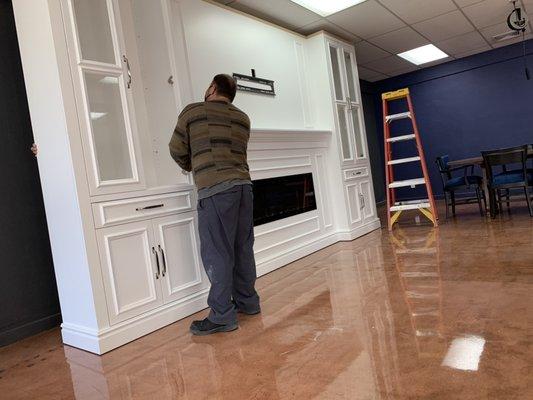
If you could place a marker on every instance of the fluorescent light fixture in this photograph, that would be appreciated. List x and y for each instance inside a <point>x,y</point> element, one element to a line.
<point>327,7</point>
<point>464,353</point>
<point>424,54</point>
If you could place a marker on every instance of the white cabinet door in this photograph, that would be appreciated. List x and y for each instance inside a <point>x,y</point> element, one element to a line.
<point>178,245</point>
<point>103,84</point>
<point>130,270</point>
<point>347,103</point>
<point>367,196</point>
<point>353,197</point>
<point>152,35</point>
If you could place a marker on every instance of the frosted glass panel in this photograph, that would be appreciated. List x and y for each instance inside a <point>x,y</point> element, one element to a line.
<point>349,74</point>
<point>359,143</point>
<point>94,30</point>
<point>344,134</point>
<point>108,127</point>
<point>336,73</point>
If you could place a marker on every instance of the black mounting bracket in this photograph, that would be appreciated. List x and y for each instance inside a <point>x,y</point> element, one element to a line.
<point>250,83</point>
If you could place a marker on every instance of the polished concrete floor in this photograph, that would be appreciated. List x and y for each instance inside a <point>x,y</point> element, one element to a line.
<point>418,314</point>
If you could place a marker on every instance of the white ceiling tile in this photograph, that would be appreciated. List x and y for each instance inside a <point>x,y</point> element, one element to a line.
<point>404,70</point>
<point>488,12</point>
<point>464,3</point>
<point>472,52</point>
<point>324,25</point>
<point>412,11</point>
<point>462,43</point>
<point>399,41</point>
<point>367,52</point>
<point>491,31</point>
<point>388,65</point>
<point>379,77</point>
<point>367,19</point>
<point>367,74</point>
<point>281,12</point>
<point>444,26</point>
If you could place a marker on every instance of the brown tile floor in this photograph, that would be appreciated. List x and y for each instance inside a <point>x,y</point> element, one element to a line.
<point>419,314</point>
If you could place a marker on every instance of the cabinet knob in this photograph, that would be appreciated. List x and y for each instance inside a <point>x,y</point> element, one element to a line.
<point>170,80</point>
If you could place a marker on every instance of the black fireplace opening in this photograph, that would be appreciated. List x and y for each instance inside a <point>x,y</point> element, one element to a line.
<point>282,197</point>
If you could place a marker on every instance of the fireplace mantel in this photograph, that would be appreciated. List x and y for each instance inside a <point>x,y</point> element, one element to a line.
<point>263,139</point>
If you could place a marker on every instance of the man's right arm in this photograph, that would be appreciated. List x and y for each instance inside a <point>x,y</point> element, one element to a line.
<point>179,145</point>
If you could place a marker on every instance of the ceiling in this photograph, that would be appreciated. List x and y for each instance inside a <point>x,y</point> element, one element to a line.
<point>380,29</point>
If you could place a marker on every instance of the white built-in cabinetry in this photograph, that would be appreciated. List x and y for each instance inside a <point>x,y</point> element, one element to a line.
<point>112,76</point>
<point>351,137</point>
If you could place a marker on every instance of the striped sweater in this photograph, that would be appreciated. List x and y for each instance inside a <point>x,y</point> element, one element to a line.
<point>211,140</point>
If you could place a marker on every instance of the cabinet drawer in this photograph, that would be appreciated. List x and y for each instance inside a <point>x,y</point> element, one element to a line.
<point>122,211</point>
<point>355,173</point>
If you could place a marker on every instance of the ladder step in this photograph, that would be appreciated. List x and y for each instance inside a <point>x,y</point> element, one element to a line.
<point>408,182</point>
<point>429,250</point>
<point>411,205</point>
<point>403,160</point>
<point>434,313</point>
<point>401,138</point>
<point>395,117</point>
<point>420,275</point>
<point>417,295</point>
<point>422,333</point>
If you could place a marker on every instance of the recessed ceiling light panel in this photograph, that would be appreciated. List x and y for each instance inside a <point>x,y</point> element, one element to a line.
<point>424,54</point>
<point>327,7</point>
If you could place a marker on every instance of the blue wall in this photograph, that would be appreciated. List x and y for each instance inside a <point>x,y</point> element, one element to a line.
<point>476,103</point>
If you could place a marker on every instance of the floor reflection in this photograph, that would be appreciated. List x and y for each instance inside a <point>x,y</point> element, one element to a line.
<point>417,261</point>
<point>421,313</point>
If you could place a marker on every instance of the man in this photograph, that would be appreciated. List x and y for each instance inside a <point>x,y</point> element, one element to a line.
<point>211,140</point>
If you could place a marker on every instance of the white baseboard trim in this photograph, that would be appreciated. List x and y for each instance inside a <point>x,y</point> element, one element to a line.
<point>110,338</point>
<point>349,235</point>
<point>107,339</point>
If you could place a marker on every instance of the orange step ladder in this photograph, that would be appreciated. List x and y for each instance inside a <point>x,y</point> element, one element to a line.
<point>394,208</point>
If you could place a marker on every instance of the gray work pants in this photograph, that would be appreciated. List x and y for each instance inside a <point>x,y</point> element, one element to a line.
<point>225,223</point>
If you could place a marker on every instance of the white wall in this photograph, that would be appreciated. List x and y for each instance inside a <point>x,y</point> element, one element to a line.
<point>223,41</point>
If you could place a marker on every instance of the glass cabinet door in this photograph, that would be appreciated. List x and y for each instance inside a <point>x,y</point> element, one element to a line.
<point>344,131</point>
<point>348,109</point>
<point>358,132</point>
<point>348,66</point>
<point>342,103</point>
<point>94,31</point>
<point>336,71</point>
<point>104,95</point>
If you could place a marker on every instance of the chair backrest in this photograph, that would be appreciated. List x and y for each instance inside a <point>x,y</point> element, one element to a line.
<point>442,163</point>
<point>444,169</point>
<point>505,157</point>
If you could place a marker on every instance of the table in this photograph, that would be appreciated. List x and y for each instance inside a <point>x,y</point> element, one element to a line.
<point>479,161</point>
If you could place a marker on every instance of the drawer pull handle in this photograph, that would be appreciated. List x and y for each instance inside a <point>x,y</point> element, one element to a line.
<point>150,207</point>
<point>358,173</point>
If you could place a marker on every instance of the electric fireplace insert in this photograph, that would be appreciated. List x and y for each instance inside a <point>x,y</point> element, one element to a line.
<point>282,197</point>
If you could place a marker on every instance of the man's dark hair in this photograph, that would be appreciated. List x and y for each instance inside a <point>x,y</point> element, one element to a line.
<point>226,86</point>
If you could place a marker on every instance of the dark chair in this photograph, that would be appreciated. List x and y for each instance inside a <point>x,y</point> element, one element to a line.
<point>465,182</point>
<point>507,169</point>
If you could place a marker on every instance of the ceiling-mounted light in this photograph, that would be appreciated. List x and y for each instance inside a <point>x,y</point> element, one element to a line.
<point>424,54</point>
<point>327,7</point>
